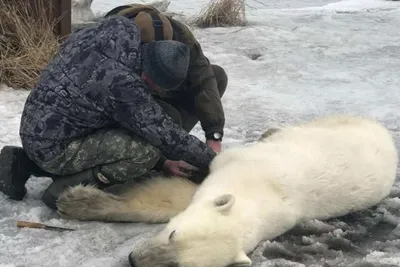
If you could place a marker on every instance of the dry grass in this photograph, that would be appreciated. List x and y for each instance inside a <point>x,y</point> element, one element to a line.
<point>26,43</point>
<point>222,13</point>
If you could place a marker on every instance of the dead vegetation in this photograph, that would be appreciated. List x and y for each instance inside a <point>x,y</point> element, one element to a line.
<point>222,13</point>
<point>27,43</point>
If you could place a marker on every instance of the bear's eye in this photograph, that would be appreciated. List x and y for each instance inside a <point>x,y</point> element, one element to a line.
<point>171,235</point>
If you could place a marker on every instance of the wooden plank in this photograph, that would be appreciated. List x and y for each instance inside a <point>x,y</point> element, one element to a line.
<point>60,11</point>
<point>65,14</point>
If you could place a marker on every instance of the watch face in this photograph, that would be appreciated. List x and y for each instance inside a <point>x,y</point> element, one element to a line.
<point>217,136</point>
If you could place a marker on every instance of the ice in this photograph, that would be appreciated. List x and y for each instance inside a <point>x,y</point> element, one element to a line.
<point>356,5</point>
<point>296,59</point>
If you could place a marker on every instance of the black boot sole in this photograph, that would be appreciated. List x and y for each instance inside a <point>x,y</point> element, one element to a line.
<point>13,187</point>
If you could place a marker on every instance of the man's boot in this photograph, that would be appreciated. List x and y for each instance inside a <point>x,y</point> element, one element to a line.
<point>15,170</point>
<point>91,176</point>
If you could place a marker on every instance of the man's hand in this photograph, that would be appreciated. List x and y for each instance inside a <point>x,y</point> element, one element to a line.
<point>178,168</point>
<point>214,145</point>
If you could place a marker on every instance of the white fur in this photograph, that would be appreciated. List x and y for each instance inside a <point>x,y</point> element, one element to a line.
<point>317,170</point>
<point>154,201</point>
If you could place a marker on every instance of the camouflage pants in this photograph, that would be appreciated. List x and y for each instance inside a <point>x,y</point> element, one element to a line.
<point>119,155</point>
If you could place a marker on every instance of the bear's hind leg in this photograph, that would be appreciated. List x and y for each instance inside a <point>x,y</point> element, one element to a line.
<point>156,200</point>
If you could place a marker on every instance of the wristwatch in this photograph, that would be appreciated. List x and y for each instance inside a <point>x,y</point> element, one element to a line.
<point>214,136</point>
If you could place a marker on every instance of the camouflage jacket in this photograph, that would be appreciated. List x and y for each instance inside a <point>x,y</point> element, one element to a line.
<point>94,82</point>
<point>201,84</point>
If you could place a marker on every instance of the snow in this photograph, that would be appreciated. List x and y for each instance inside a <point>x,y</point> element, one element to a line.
<point>314,57</point>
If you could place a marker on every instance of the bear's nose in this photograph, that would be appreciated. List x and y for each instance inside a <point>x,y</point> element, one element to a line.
<point>132,260</point>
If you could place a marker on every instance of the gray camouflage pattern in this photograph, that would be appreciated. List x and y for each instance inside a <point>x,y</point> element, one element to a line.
<point>94,83</point>
<point>120,155</point>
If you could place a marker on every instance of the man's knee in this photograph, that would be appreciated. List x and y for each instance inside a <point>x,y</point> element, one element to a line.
<point>221,77</point>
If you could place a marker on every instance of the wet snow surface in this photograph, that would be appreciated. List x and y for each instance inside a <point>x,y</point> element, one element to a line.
<point>298,59</point>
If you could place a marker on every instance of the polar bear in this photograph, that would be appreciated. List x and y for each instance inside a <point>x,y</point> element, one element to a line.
<point>320,169</point>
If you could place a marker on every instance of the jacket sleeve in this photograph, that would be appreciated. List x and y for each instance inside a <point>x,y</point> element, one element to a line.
<point>202,82</point>
<point>132,106</point>
<point>207,100</point>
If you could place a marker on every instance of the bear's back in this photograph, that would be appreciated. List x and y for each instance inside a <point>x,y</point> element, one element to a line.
<point>336,162</point>
<point>322,166</point>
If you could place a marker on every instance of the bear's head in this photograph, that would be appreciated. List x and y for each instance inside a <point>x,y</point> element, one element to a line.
<point>201,236</point>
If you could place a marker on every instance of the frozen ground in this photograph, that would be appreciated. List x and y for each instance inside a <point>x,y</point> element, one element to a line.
<point>297,60</point>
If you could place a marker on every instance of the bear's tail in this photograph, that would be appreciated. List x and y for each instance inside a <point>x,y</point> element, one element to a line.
<point>156,200</point>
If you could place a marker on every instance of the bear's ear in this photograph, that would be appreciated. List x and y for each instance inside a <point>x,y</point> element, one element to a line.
<point>241,260</point>
<point>224,203</point>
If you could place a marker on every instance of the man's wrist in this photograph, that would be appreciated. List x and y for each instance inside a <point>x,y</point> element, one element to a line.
<point>214,136</point>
